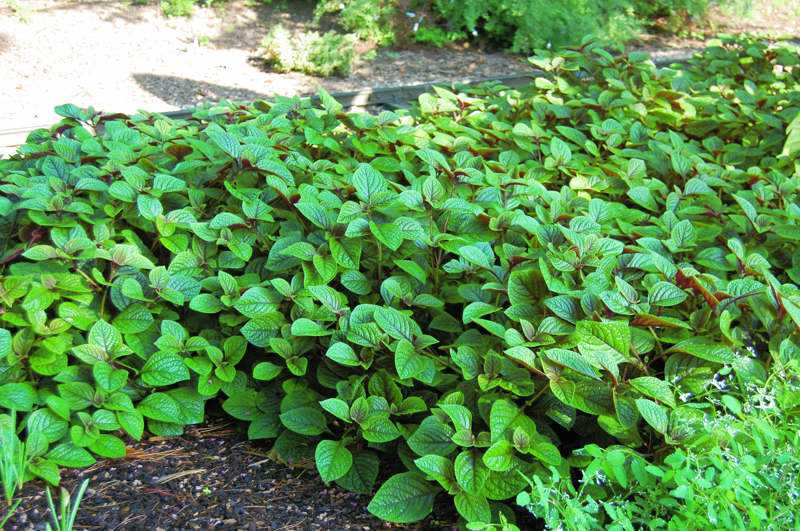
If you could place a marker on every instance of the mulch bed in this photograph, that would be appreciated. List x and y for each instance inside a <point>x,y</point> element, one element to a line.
<point>211,478</point>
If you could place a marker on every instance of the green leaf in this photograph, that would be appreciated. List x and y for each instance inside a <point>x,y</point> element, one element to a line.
<point>162,407</point>
<point>132,422</point>
<point>573,360</point>
<point>333,460</point>
<point>378,428</point>
<point>105,336</point>
<point>503,417</point>
<point>59,406</point>
<point>388,234</point>
<point>108,446</point>
<point>654,414</point>
<point>470,471</point>
<point>336,407</point>
<point>343,354</point>
<point>499,456</point>
<point>260,330</point>
<point>129,255</point>
<point>666,294</point>
<point>304,420</point>
<point>17,396</point>
<point>432,437</point>
<point>604,344</point>
<point>47,470</point>
<point>39,253</point>
<point>368,182</point>
<point>407,361</point>
<point>79,395</point>
<point>47,424</point>
<point>654,388</point>
<point>242,405</point>
<point>255,302</point>
<point>473,507</point>
<point>163,369</point>
<point>5,343</point>
<point>266,370</point>
<point>404,498</point>
<point>438,468</point>
<point>206,303</point>
<point>705,350</point>
<point>362,475</point>
<point>560,151</point>
<point>308,328</point>
<point>394,323</point>
<point>792,145</point>
<point>475,255</point>
<point>108,378</point>
<point>134,319</point>
<point>68,455</point>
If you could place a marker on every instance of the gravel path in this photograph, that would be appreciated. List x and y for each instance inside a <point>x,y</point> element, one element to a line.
<point>121,57</point>
<point>211,478</point>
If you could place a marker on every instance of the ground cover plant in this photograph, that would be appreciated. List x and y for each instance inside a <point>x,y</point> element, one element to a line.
<point>442,302</point>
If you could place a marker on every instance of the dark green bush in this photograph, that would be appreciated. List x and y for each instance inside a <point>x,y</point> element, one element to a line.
<point>458,296</point>
<point>370,20</point>
<point>520,26</point>
<point>523,26</point>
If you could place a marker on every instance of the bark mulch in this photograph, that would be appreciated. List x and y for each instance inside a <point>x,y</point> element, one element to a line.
<point>210,478</point>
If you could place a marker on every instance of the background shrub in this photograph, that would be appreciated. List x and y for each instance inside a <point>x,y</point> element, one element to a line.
<point>743,473</point>
<point>178,8</point>
<point>370,20</point>
<point>523,26</point>
<point>455,297</point>
<point>520,26</point>
<point>310,52</point>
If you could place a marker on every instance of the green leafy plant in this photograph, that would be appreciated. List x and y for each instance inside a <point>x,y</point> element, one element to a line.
<point>437,36</point>
<point>453,297</point>
<point>14,461</point>
<point>742,473</point>
<point>370,20</point>
<point>63,518</point>
<point>178,8</point>
<point>326,54</point>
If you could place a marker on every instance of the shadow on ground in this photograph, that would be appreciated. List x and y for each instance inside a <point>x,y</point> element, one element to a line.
<point>244,27</point>
<point>176,91</point>
<point>239,24</point>
<point>5,42</point>
<point>113,10</point>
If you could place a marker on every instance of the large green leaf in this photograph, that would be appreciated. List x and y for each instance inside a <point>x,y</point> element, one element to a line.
<point>403,498</point>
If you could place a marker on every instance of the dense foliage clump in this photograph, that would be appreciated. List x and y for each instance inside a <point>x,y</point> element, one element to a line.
<point>325,54</point>
<point>520,26</point>
<point>453,298</point>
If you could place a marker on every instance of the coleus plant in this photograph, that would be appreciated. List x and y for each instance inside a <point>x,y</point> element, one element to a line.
<point>457,295</point>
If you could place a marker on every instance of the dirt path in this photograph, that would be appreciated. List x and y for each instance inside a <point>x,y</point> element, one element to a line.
<point>121,57</point>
